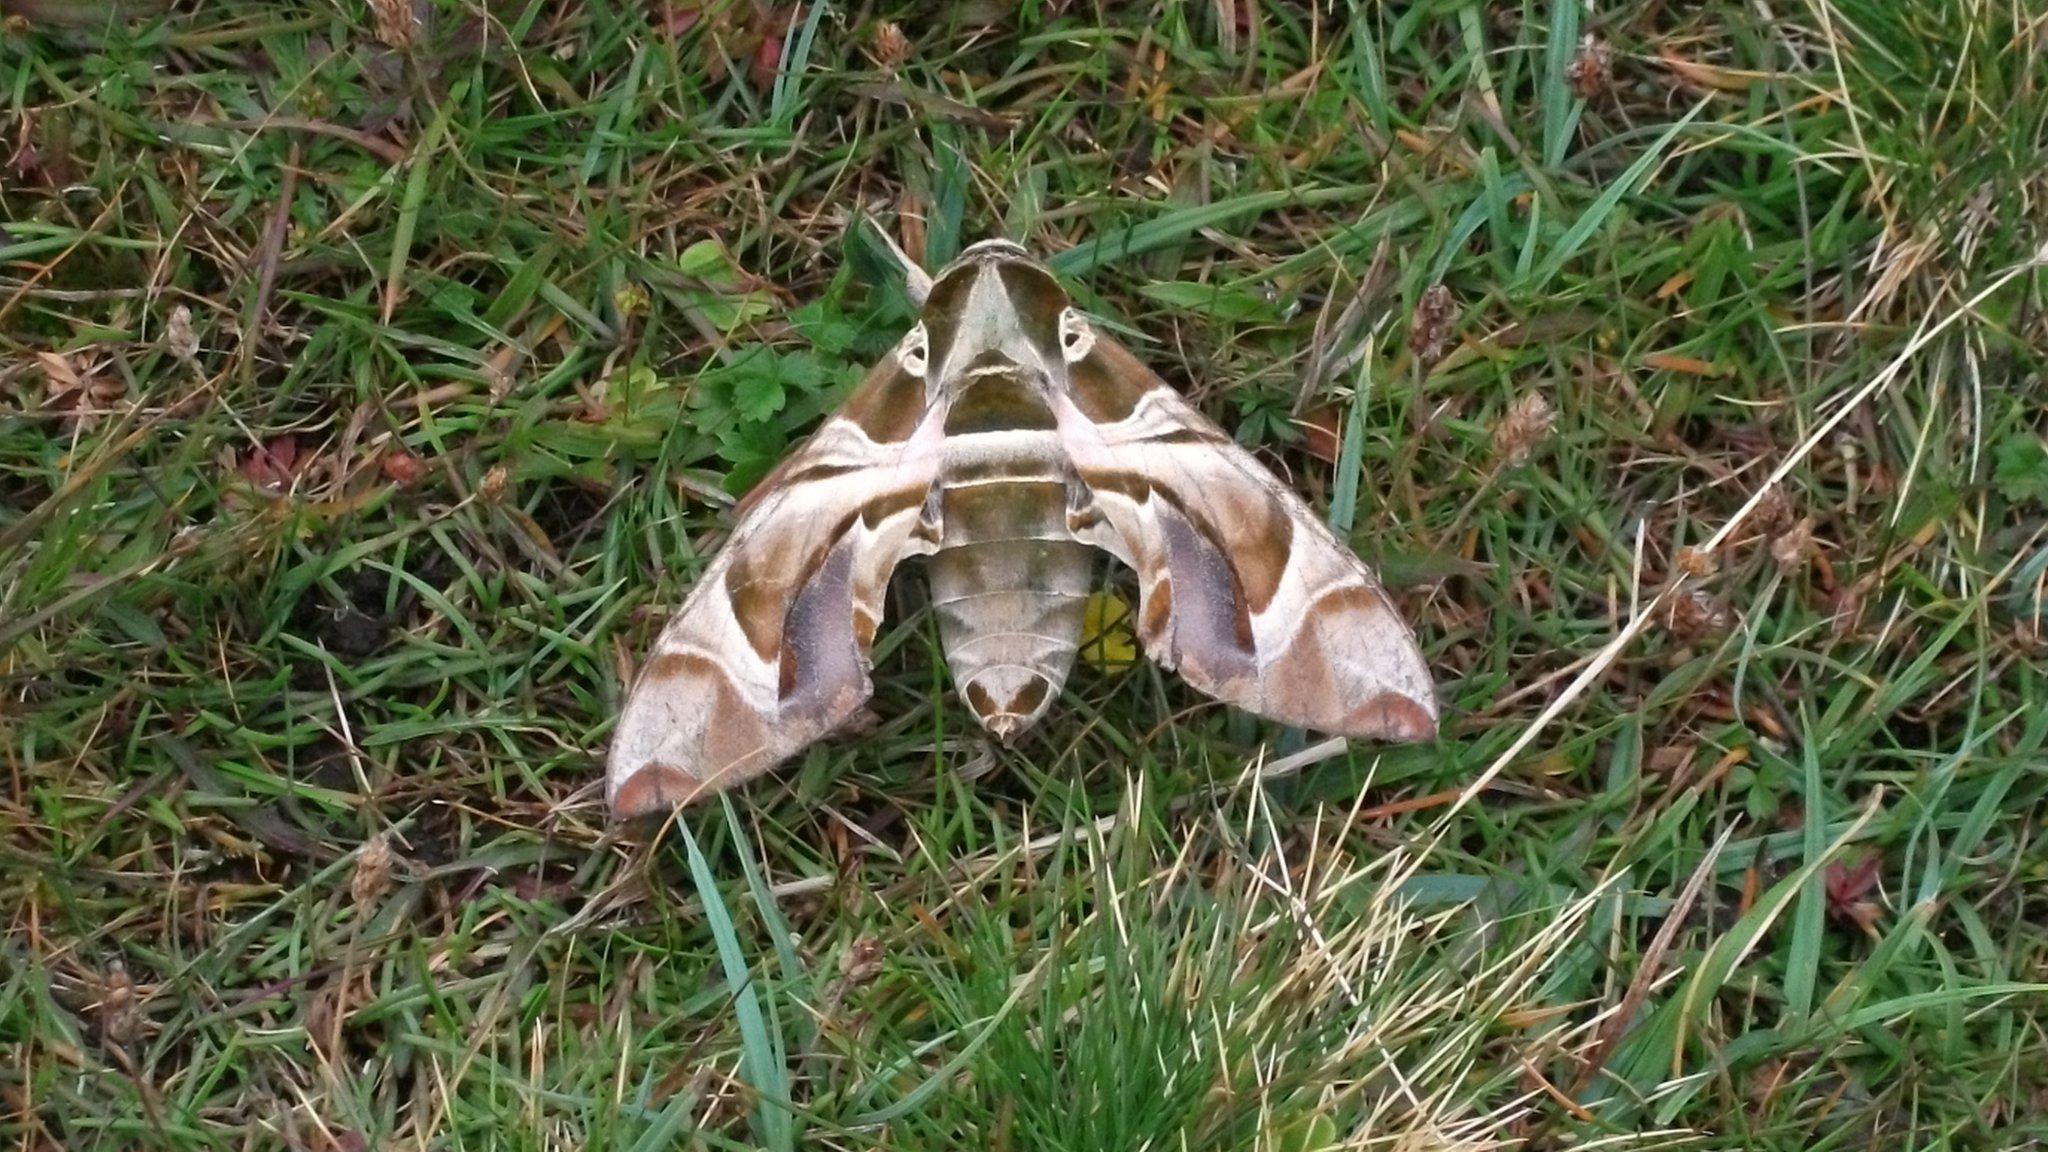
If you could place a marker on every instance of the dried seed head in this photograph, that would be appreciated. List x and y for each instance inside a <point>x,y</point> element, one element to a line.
<point>1526,425</point>
<point>1592,69</point>
<point>179,337</point>
<point>497,485</point>
<point>1793,547</point>
<point>1773,512</point>
<point>1435,315</point>
<point>397,26</point>
<point>860,961</point>
<point>1697,563</point>
<point>1699,615</point>
<point>118,1013</point>
<point>892,47</point>
<point>373,871</point>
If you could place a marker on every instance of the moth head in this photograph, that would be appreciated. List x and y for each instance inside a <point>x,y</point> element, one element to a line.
<point>996,310</point>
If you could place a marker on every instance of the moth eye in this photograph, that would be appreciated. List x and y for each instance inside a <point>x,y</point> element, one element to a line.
<point>1076,337</point>
<point>916,351</point>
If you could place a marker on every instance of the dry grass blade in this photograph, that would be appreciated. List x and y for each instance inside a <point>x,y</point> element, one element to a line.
<point>1643,616</point>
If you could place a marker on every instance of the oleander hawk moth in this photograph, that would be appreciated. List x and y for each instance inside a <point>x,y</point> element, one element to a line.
<point>1007,440</point>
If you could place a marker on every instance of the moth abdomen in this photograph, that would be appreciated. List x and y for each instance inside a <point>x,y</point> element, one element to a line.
<point>1010,587</point>
<point>1010,643</point>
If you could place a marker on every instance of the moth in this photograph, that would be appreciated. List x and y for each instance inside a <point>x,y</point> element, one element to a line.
<point>1008,440</point>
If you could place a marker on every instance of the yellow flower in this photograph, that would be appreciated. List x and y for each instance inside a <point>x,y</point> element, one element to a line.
<point>1106,638</point>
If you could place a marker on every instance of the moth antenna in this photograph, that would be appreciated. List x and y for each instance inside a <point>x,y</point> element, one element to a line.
<point>917,283</point>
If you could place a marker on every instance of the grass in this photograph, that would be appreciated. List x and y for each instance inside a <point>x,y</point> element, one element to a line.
<point>368,391</point>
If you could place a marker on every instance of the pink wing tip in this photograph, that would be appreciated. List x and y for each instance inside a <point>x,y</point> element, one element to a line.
<point>656,788</point>
<point>1392,716</point>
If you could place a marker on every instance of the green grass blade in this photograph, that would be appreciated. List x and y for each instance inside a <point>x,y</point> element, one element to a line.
<point>1561,105</point>
<point>1809,916</point>
<point>412,202</point>
<point>1589,222</point>
<point>763,1061</point>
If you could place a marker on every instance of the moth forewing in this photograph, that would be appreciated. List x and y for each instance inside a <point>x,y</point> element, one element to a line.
<point>1243,589</point>
<point>770,650</point>
<point>1008,439</point>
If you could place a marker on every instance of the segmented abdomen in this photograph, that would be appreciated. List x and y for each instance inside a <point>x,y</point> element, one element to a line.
<point>1009,582</point>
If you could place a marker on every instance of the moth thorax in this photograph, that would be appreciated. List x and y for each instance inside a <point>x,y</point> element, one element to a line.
<point>998,400</point>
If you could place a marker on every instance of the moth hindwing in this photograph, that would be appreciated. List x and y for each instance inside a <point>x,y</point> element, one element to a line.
<point>1009,440</point>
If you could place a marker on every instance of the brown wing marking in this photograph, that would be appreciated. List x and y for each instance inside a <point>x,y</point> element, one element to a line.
<point>770,650</point>
<point>1243,590</point>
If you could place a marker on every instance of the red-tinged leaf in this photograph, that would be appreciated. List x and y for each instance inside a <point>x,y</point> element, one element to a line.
<point>402,468</point>
<point>1849,882</point>
<point>270,466</point>
<point>764,62</point>
<point>1320,433</point>
<point>766,58</point>
<point>1847,887</point>
<point>1706,75</point>
<point>679,16</point>
<point>1683,365</point>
